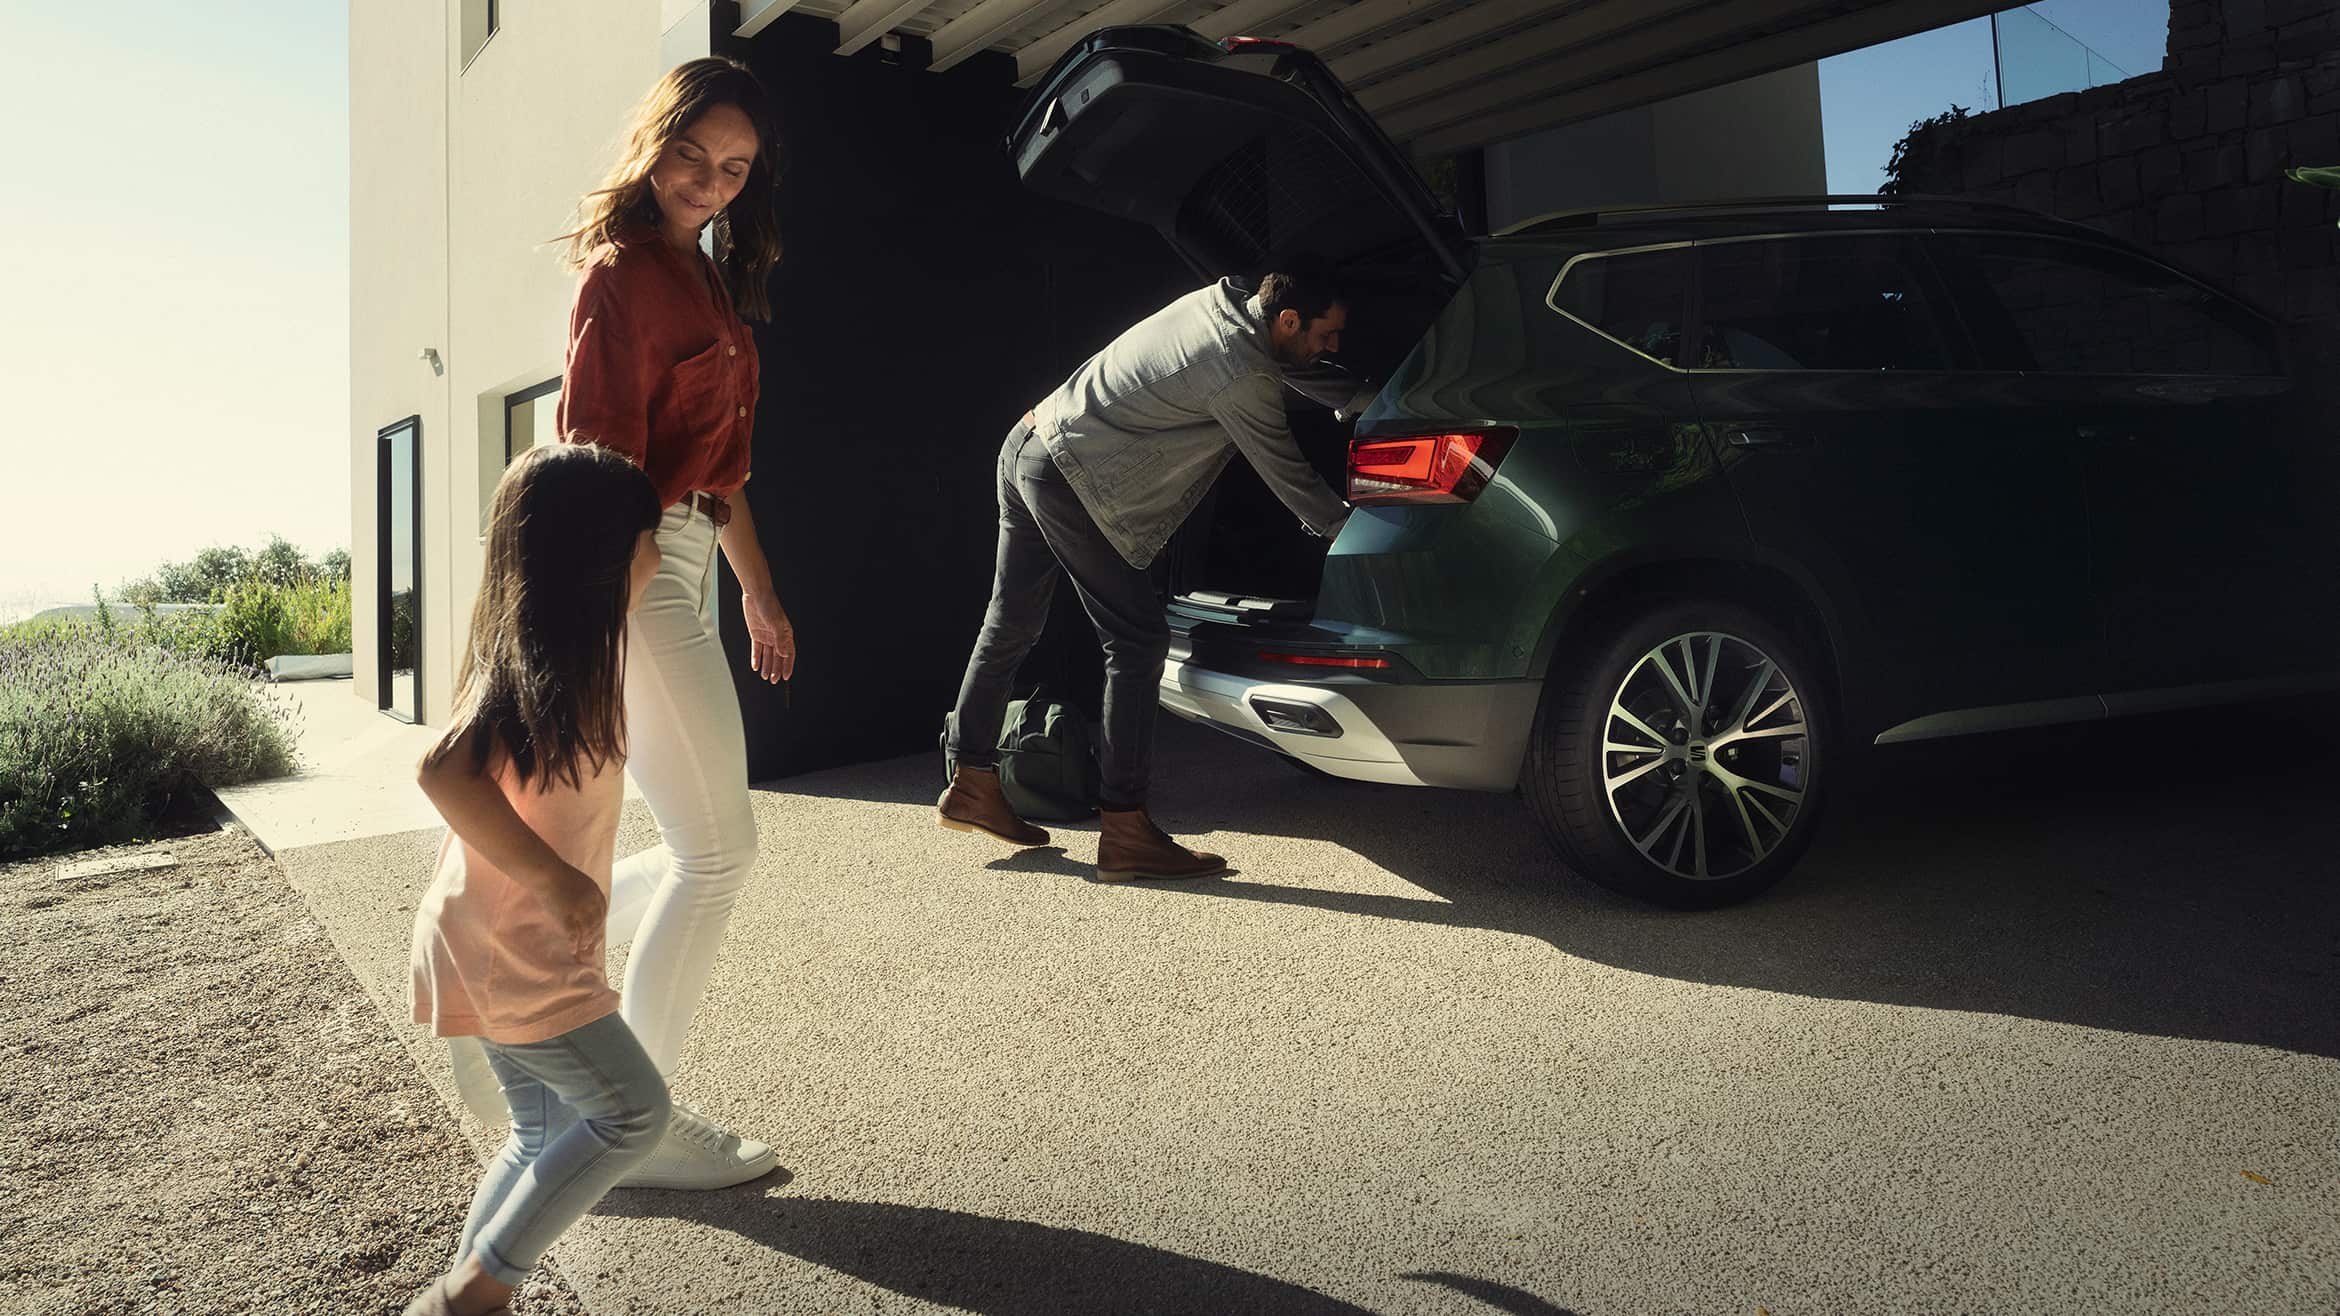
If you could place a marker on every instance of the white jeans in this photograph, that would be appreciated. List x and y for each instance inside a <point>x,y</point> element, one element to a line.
<point>687,750</point>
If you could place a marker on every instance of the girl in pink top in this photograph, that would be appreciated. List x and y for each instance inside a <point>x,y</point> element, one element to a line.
<point>508,940</point>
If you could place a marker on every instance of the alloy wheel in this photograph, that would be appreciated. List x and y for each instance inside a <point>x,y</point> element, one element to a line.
<point>1705,755</point>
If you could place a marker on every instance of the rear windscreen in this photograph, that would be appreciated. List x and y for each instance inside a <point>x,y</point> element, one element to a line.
<point>1292,193</point>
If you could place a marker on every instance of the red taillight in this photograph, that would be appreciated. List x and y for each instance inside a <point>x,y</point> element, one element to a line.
<point>1426,468</point>
<point>1321,660</point>
<point>1237,45</point>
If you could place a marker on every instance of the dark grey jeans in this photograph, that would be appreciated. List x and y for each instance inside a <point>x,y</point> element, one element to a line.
<point>1044,534</point>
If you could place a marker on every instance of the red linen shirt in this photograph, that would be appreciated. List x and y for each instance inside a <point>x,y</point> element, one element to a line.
<point>661,368</point>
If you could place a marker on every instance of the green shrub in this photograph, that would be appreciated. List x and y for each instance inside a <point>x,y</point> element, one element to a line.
<point>322,615</point>
<point>254,622</point>
<point>259,620</point>
<point>99,729</point>
<point>1920,149</point>
<point>195,634</point>
<point>208,576</point>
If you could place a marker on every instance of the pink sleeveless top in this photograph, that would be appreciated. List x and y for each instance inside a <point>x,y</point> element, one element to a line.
<point>490,957</point>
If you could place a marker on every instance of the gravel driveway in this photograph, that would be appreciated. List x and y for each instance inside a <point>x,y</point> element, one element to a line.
<point>206,1114</point>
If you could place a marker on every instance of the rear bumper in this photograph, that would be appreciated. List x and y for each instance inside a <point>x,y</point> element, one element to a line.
<point>1462,735</point>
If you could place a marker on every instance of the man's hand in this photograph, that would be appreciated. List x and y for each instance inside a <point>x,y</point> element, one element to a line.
<point>771,638</point>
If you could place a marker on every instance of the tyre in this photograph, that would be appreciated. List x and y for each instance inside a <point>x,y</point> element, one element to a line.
<point>1681,757</point>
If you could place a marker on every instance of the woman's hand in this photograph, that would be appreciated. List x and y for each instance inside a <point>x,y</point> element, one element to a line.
<point>771,638</point>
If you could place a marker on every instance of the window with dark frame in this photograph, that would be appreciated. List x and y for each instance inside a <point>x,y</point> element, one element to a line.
<point>529,420</point>
<point>1633,297</point>
<point>479,23</point>
<point>1818,303</point>
<point>2060,307</point>
<point>528,417</point>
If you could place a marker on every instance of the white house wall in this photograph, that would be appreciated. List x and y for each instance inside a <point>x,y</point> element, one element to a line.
<point>1686,148</point>
<point>461,174</point>
<point>398,277</point>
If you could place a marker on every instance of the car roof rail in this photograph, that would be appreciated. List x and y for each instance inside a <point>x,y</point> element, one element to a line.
<point>1592,215</point>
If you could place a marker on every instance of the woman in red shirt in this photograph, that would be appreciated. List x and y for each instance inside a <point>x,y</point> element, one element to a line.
<point>662,368</point>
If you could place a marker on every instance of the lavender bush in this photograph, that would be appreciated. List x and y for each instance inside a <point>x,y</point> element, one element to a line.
<point>100,729</point>
<point>251,622</point>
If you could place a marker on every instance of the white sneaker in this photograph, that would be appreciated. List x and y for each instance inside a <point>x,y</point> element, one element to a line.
<point>697,1153</point>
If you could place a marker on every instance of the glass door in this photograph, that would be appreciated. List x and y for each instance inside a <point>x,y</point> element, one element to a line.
<point>398,521</point>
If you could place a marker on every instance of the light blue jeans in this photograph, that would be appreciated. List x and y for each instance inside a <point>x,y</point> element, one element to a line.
<point>599,1089</point>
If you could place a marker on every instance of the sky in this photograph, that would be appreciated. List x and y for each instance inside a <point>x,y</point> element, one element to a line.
<point>174,344</point>
<point>174,285</point>
<point>1869,98</point>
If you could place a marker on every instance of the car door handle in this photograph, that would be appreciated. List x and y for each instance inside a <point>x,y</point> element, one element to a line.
<point>1764,436</point>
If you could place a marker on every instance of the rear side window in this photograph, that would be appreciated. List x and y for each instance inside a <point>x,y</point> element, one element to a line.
<point>1634,297</point>
<point>2072,308</point>
<point>1819,303</point>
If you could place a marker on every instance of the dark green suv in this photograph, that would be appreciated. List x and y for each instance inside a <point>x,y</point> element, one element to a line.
<point>1666,515</point>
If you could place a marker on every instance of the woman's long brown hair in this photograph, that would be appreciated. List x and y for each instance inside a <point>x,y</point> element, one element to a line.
<point>543,677</point>
<point>747,232</point>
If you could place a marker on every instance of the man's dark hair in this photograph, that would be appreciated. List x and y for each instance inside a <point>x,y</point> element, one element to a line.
<point>1307,288</point>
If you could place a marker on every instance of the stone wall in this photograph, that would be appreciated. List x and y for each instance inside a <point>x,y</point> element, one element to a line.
<point>2188,161</point>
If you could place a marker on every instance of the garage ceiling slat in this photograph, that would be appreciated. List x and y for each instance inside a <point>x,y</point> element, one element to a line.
<point>1452,32</point>
<point>761,18</point>
<point>1438,74</point>
<point>1580,28</point>
<point>934,18</point>
<point>868,20</point>
<point>1246,17</point>
<point>1034,59</point>
<point>1347,26</point>
<point>974,31</point>
<point>1619,49</point>
<point>1678,74</point>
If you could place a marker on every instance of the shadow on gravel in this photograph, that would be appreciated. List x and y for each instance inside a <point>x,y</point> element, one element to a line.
<point>982,1264</point>
<point>1502,1297</point>
<point>2172,876</point>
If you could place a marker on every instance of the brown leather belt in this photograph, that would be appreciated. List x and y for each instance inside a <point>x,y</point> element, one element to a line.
<point>717,509</point>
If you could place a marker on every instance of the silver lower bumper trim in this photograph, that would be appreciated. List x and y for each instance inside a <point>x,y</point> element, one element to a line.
<point>1465,735</point>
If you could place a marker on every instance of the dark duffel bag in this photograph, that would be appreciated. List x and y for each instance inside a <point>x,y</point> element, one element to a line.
<point>1047,760</point>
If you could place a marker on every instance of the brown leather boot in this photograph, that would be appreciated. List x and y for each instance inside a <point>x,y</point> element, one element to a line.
<point>975,803</point>
<point>1129,845</point>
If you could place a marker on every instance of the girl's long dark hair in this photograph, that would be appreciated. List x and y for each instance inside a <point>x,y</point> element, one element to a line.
<point>747,232</point>
<point>543,676</point>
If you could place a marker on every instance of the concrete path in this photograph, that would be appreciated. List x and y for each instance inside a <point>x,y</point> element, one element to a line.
<point>356,775</point>
<point>2018,1038</point>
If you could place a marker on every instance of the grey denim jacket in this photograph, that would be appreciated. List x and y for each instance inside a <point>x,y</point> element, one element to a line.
<point>1143,428</point>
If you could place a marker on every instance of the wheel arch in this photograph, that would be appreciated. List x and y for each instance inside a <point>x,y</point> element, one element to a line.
<point>1628,584</point>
